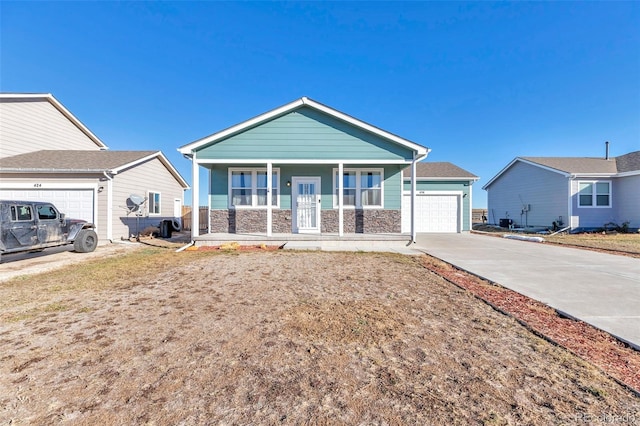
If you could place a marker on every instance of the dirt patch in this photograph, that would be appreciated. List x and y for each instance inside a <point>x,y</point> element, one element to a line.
<point>280,337</point>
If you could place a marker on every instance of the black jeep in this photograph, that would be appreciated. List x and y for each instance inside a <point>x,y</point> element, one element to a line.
<point>34,226</point>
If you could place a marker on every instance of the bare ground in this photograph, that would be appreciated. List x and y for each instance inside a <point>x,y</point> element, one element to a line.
<point>280,337</point>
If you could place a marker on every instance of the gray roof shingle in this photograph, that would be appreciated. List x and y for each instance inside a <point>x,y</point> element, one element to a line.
<point>628,162</point>
<point>438,170</point>
<point>71,161</point>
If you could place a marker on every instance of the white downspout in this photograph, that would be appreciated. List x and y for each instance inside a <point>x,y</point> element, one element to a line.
<point>269,197</point>
<point>340,199</point>
<point>195,210</point>
<point>413,199</point>
<point>109,206</point>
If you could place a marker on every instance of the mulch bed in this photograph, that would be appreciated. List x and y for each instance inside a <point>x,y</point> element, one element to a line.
<point>614,357</point>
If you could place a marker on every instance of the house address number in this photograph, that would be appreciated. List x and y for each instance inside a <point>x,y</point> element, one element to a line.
<point>37,185</point>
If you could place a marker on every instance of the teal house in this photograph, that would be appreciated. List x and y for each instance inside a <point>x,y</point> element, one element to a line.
<point>305,168</point>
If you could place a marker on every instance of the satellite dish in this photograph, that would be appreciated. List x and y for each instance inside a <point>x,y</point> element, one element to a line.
<point>134,202</point>
<point>136,199</point>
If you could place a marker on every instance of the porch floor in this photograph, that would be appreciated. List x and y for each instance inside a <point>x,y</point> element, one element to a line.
<point>399,243</point>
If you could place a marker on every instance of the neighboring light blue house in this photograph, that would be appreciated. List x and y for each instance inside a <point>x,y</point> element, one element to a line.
<point>577,192</point>
<point>303,168</point>
<point>443,198</point>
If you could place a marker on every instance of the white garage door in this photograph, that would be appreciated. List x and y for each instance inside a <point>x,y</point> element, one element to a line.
<point>434,213</point>
<point>74,203</point>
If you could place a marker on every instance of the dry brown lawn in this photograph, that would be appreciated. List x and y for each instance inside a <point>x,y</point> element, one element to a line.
<point>270,337</point>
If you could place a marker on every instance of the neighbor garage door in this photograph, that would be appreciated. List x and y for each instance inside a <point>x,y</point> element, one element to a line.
<point>74,203</point>
<point>434,213</point>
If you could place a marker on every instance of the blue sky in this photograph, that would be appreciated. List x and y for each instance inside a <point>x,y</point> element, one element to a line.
<point>479,83</point>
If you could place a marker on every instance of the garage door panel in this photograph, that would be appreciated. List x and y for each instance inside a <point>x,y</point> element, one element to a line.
<point>74,203</point>
<point>434,213</point>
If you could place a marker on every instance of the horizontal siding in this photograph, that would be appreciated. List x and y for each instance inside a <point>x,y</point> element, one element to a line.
<point>305,134</point>
<point>219,184</point>
<point>594,217</point>
<point>29,126</point>
<point>545,191</point>
<point>626,198</point>
<point>149,176</point>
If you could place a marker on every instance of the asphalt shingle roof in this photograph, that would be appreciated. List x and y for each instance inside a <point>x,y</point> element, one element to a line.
<point>628,162</point>
<point>76,161</point>
<point>438,170</point>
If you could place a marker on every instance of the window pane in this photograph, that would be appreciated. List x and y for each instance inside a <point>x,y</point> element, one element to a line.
<point>241,197</point>
<point>370,180</point>
<point>262,197</point>
<point>241,179</point>
<point>349,197</point>
<point>585,200</point>
<point>602,188</point>
<point>262,179</point>
<point>586,188</point>
<point>371,197</point>
<point>602,200</point>
<point>349,180</point>
<point>154,203</point>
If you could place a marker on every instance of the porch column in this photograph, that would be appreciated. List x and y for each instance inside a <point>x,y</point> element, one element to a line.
<point>340,199</point>
<point>413,199</point>
<point>269,197</point>
<point>195,189</point>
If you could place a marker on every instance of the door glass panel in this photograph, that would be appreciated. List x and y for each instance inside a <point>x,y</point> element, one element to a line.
<point>306,206</point>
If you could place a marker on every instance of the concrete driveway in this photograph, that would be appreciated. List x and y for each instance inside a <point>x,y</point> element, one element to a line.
<point>600,289</point>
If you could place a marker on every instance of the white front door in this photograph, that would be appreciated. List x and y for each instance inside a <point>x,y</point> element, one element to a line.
<point>305,195</point>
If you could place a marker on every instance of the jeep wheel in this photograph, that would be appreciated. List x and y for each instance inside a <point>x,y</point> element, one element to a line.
<point>86,241</point>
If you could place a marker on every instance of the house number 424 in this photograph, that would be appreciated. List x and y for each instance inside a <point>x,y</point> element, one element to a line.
<point>37,185</point>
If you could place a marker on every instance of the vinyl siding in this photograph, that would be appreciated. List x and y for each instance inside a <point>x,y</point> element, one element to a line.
<point>596,217</point>
<point>28,126</point>
<point>392,175</point>
<point>627,200</point>
<point>308,135</point>
<point>545,191</point>
<point>149,176</point>
<point>448,186</point>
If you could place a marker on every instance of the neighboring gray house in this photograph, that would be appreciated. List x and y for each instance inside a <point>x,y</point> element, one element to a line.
<point>47,154</point>
<point>443,198</point>
<point>580,192</point>
<point>303,168</point>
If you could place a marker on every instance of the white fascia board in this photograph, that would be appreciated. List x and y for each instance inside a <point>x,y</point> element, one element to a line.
<point>188,149</point>
<point>631,173</point>
<point>429,179</point>
<point>593,175</point>
<point>518,159</point>
<point>53,101</point>
<point>298,161</point>
<point>48,185</point>
<point>42,170</point>
<point>162,159</point>
<point>434,192</point>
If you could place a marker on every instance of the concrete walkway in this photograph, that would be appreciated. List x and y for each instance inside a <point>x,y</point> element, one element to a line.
<point>600,289</point>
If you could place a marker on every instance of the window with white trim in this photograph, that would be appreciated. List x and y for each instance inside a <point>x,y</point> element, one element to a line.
<point>154,203</point>
<point>248,187</point>
<point>594,194</point>
<point>362,188</point>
